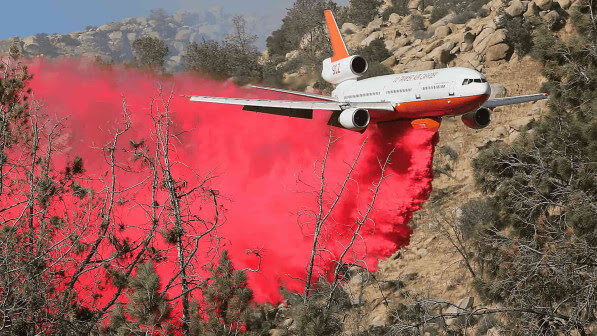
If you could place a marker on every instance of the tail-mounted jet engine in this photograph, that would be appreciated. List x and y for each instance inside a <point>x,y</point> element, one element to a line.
<point>345,69</point>
<point>354,119</point>
<point>478,119</point>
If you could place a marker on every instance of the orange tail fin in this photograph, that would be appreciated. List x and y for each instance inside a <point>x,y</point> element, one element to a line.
<point>338,45</point>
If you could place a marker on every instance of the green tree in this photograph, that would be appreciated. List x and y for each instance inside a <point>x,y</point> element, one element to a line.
<point>150,52</point>
<point>237,57</point>
<point>305,19</point>
<point>226,299</point>
<point>147,311</point>
<point>207,58</point>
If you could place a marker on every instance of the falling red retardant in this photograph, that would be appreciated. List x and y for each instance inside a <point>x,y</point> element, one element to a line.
<point>266,170</point>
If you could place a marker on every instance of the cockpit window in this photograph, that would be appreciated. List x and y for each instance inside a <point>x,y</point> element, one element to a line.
<point>475,80</point>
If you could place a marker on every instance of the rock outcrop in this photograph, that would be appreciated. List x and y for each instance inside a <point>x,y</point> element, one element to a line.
<point>112,41</point>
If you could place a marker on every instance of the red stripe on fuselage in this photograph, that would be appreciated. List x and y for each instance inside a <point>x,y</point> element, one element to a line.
<point>440,107</point>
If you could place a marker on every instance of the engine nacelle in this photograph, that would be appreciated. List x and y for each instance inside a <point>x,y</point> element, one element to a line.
<point>345,69</point>
<point>478,119</point>
<point>354,119</point>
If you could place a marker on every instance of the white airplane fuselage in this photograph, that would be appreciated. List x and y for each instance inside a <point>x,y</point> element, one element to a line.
<point>433,93</point>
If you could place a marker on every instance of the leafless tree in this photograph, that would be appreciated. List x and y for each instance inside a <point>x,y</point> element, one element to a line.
<point>187,229</point>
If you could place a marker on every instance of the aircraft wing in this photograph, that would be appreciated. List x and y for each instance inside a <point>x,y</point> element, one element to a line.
<point>495,102</point>
<point>296,93</point>
<point>294,108</point>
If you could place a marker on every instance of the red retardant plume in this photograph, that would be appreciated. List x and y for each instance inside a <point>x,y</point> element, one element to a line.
<point>265,168</point>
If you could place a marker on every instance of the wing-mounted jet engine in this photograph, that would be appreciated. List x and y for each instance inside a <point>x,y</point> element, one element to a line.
<point>478,119</point>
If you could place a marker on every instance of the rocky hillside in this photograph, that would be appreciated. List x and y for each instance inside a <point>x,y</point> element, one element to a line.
<point>112,41</point>
<point>431,266</point>
<point>417,44</point>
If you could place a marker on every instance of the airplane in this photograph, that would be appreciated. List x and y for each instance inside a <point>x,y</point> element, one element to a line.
<point>422,97</point>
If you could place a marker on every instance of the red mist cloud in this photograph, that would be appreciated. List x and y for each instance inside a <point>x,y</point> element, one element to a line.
<point>265,165</point>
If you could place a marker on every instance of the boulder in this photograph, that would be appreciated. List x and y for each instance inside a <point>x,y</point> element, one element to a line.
<point>427,49</point>
<point>465,47</point>
<point>520,123</point>
<point>500,132</point>
<point>389,62</point>
<point>442,31</point>
<point>441,54</point>
<point>460,308</point>
<point>400,42</point>
<point>532,10</point>
<point>349,28</point>
<point>394,18</point>
<point>389,44</point>
<point>179,46</point>
<point>400,52</point>
<point>357,281</point>
<point>183,35</point>
<point>544,4</point>
<point>287,322</point>
<point>423,65</point>
<point>552,18</point>
<point>374,25</point>
<point>131,36</point>
<point>117,35</point>
<point>378,322</point>
<point>367,41</point>
<point>485,33</point>
<point>499,36</point>
<point>498,90</point>
<point>390,34</point>
<point>516,8</point>
<point>497,52</point>
<point>277,332</point>
<point>414,4</point>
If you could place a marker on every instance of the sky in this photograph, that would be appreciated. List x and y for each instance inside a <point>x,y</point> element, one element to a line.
<point>24,18</point>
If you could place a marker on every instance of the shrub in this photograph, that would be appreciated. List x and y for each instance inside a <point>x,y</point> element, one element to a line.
<point>150,52</point>
<point>363,11</point>
<point>538,249</point>
<point>399,7</point>
<point>439,11</point>
<point>519,33</point>
<point>376,51</point>
<point>320,313</point>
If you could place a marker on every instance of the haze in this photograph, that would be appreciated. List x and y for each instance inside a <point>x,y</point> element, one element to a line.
<point>24,18</point>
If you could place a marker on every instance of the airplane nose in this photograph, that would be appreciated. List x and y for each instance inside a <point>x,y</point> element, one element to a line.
<point>487,89</point>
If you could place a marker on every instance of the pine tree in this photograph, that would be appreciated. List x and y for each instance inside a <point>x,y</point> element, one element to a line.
<point>226,299</point>
<point>147,311</point>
